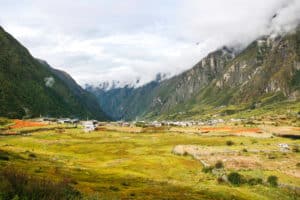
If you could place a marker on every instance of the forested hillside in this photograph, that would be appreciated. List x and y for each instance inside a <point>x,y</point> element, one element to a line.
<point>30,88</point>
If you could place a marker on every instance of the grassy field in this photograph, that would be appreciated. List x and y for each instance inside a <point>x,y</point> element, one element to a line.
<point>122,163</point>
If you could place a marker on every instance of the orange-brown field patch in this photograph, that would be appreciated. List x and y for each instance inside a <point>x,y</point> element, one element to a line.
<point>24,124</point>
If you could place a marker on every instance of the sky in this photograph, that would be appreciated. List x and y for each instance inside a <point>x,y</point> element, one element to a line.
<point>128,40</point>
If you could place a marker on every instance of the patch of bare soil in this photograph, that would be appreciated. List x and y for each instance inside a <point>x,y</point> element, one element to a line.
<point>24,124</point>
<point>235,159</point>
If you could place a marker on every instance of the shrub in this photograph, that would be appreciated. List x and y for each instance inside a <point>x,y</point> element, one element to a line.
<point>254,141</point>
<point>255,181</point>
<point>16,184</point>
<point>250,122</point>
<point>32,155</point>
<point>4,156</point>
<point>296,149</point>
<point>59,130</point>
<point>245,150</point>
<point>229,143</point>
<point>219,164</point>
<point>298,164</point>
<point>114,188</point>
<point>273,181</point>
<point>207,169</point>
<point>235,178</point>
<point>125,184</point>
<point>271,156</point>
<point>220,180</point>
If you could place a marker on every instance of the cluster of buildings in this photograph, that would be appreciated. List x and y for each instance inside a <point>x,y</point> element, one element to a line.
<point>88,126</point>
<point>172,123</point>
<point>187,123</point>
<point>91,125</point>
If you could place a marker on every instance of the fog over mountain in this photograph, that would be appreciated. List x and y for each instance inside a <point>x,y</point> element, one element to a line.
<point>130,40</point>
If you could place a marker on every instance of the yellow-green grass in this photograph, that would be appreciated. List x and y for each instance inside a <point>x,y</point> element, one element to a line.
<point>122,165</point>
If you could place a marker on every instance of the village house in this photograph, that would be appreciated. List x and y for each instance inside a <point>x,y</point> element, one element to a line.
<point>156,124</point>
<point>64,121</point>
<point>88,126</point>
<point>284,147</point>
<point>74,121</point>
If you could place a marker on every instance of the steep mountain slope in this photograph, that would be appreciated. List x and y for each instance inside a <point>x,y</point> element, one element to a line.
<point>223,83</point>
<point>30,87</point>
<point>125,103</point>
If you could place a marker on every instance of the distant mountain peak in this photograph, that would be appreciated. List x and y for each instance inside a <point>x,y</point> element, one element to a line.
<point>115,84</point>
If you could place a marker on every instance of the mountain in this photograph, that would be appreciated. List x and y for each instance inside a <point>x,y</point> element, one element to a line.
<point>263,77</point>
<point>30,87</point>
<point>115,84</point>
<point>125,103</point>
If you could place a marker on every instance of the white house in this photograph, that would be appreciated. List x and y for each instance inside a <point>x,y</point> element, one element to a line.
<point>284,147</point>
<point>88,126</point>
<point>63,120</point>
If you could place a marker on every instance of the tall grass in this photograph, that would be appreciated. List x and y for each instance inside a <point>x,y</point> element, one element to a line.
<point>15,184</point>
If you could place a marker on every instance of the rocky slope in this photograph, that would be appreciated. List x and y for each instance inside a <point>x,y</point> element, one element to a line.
<point>266,71</point>
<point>30,87</point>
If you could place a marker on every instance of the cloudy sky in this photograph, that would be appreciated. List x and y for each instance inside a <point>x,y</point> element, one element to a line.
<point>125,40</point>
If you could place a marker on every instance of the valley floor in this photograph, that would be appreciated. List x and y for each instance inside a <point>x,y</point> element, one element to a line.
<point>165,163</point>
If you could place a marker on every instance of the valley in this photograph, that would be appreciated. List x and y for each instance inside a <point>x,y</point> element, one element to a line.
<point>124,161</point>
<point>150,104</point>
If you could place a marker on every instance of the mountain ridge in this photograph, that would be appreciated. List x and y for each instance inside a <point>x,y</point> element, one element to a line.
<point>29,87</point>
<point>267,68</point>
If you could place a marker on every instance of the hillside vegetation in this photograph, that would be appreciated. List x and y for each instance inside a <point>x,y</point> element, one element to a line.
<point>30,87</point>
<point>226,82</point>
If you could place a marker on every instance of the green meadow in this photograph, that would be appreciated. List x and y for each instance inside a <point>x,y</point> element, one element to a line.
<point>122,165</point>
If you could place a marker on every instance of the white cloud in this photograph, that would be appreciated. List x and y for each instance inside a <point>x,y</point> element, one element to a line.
<point>287,19</point>
<point>49,81</point>
<point>101,40</point>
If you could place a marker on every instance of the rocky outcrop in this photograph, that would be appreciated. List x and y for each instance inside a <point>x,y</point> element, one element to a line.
<point>269,65</point>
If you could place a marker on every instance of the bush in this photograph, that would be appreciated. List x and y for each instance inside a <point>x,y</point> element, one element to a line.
<point>235,178</point>
<point>273,181</point>
<point>59,130</point>
<point>114,188</point>
<point>296,149</point>
<point>4,155</point>
<point>32,155</point>
<point>245,150</point>
<point>220,180</point>
<point>298,164</point>
<point>255,181</point>
<point>207,169</point>
<point>16,184</point>
<point>229,143</point>
<point>272,156</point>
<point>219,164</point>
<point>254,141</point>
